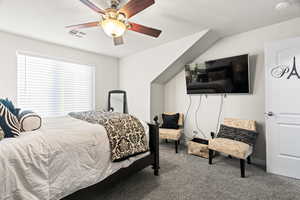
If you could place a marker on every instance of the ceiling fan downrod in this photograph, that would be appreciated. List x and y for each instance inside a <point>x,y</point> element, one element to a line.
<point>115,4</point>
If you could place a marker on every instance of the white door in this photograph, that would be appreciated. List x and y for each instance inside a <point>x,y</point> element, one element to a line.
<point>282,61</point>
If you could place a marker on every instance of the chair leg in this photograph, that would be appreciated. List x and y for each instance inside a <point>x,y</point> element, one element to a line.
<point>242,165</point>
<point>249,160</point>
<point>176,146</point>
<point>210,156</point>
<point>156,172</point>
<point>166,140</point>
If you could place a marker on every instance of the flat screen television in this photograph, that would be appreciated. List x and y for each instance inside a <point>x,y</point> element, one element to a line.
<point>222,76</point>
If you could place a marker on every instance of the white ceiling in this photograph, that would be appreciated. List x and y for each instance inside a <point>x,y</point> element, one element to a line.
<point>45,20</point>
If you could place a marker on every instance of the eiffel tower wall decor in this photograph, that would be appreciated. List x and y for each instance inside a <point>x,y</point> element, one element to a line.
<point>290,71</point>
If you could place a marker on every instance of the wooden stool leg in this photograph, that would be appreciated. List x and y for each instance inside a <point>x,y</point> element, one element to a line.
<point>242,164</point>
<point>249,160</point>
<point>210,156</point>
<point>176,146</point>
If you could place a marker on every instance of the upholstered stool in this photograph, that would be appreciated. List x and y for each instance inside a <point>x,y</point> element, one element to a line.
<point>173,134</point>
<point>234,148</point>
<point>170,134</point>
<point>231,147</point>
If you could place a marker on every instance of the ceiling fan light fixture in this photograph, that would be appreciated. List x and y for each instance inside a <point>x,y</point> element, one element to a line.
<point>113,27</point>
<point>113,23</point>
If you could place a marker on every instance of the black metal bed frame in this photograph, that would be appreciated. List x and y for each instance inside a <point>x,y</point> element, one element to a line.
<point>151,160</point>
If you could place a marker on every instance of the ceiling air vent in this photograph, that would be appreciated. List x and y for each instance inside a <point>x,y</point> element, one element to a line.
<point>77,33</point>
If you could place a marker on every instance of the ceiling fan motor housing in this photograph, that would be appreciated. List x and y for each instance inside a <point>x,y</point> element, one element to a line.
<point>113,14</point>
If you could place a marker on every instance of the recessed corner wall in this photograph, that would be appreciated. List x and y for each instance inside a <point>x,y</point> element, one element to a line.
<point>138,71</point>
<point>157,85</point>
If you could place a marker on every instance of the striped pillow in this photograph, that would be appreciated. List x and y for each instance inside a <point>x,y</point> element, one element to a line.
<point>9,122</point>
<point>10,106</point>
<point>29,121</point>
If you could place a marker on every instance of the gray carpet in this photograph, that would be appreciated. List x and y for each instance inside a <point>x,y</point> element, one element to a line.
<point>184,177</point>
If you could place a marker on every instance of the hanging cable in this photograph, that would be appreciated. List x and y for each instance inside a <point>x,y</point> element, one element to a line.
<point>220,112</point>
<point>196,118</point>
<point>187,112</point>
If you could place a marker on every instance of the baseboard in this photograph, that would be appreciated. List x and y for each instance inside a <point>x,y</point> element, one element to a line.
<point>260,162</point>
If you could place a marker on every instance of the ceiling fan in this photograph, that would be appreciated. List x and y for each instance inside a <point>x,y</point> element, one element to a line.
<point>114,20</point>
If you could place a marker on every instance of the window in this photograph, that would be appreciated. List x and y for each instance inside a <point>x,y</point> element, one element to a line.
<point>54,88</point>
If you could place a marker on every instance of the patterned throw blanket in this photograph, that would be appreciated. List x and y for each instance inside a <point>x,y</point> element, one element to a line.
<point>126,134</point>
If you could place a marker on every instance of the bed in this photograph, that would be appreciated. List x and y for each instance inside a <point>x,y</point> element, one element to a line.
<point>65,156</point>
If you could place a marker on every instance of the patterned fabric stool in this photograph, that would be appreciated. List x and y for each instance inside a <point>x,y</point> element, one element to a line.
<point>173,134</point>
<point>234,148</point>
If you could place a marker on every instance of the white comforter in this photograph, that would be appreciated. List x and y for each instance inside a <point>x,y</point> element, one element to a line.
<point>65,155</point>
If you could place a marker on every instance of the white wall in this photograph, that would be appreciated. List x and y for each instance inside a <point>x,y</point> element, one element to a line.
<point>139,70</point>
<point>106,67</point>
<point>239,106</point>
<point>157,99</point>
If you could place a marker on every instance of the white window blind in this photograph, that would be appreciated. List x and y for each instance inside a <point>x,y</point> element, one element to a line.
<point>53,87</point>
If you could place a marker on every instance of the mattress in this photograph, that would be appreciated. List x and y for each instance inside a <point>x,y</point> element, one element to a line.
<point>64,156</point>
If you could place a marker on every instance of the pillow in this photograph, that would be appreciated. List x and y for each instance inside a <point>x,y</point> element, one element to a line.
<point>30,121</point>
<point>238,134</point>
<point>170,121</point>
<point>10,106</point>
<point>9,122</point>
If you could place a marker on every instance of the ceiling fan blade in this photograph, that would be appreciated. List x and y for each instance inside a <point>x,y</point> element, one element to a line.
<point>85,25</point>
<point>118,41</point>
<point>144,30</point>
<point>135,6</point>
<point>93,6</point>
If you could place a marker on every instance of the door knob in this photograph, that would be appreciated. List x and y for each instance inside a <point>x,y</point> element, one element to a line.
<point>270,114</point>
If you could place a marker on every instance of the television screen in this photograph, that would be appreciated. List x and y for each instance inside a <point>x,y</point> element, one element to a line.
<point>226,75</point>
